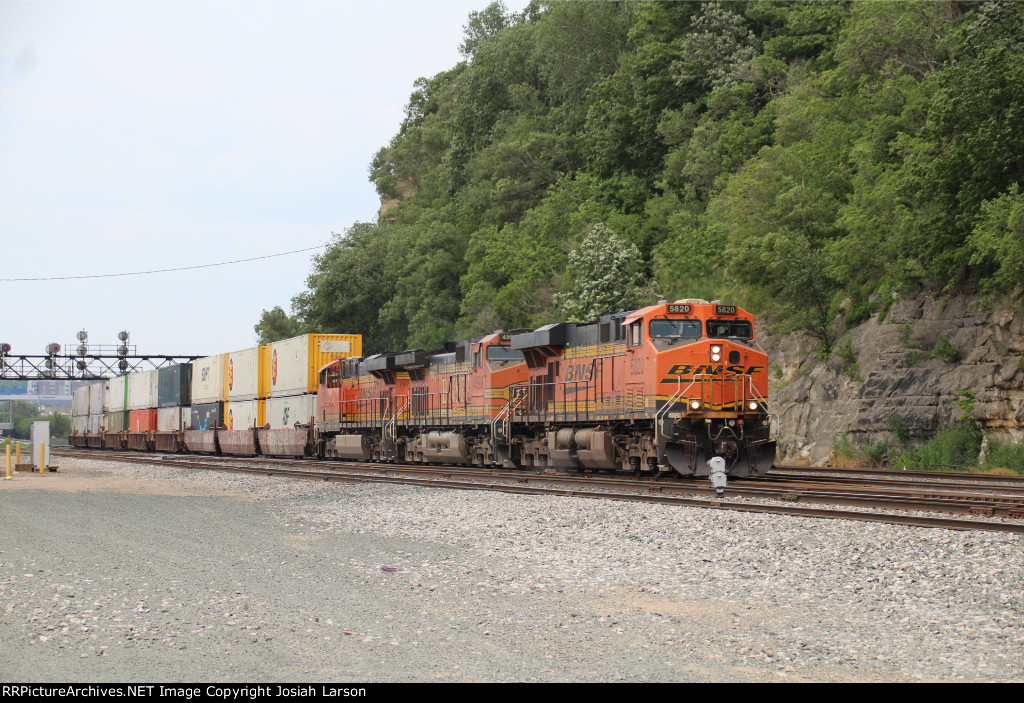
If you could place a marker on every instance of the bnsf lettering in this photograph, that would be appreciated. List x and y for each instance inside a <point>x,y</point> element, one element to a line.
<point>578,372</point>
<point>736,370</point>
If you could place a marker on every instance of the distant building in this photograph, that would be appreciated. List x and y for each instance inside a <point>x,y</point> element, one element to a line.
<point>49,396</point>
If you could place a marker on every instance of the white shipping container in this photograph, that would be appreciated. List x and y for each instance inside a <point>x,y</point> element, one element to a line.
<point>243,369</point>
<point>241,414</point>
<point>114,397</point>
<point>173,419</point>
<point>95,423</point>
<point>294,365</point>
<point>285,412</point>
<point>80,424</point>
<point>96,398</point>
<point>142,390</point>
<point>208,380</point>
<point>80,402</point>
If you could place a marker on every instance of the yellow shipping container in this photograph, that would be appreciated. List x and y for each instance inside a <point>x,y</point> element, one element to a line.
<point>292,365</point>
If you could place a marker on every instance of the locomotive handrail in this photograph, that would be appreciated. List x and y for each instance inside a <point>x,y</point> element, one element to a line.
<point>590,385</point>
<point>774,427</point>
<point>516,396</point>
<point>680,392</point>
<point>391,427</point>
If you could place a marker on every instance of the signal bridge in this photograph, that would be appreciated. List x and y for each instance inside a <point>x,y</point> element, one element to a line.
<point>83,363</point>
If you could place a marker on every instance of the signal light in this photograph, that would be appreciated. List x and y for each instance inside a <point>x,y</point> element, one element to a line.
<point>5,348</point>
<point>52,349</point>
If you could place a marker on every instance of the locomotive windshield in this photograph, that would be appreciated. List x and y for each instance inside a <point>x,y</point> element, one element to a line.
<point>738,329</point>
<point>675,329</point>
<point>498,352</point>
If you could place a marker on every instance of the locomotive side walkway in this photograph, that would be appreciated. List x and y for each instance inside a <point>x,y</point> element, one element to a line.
<point>133,573</point>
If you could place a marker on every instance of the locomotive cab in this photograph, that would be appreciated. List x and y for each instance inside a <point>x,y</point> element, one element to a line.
<point>711,383</point>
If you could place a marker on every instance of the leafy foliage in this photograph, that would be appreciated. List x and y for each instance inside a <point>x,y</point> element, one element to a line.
<point>788,156</point>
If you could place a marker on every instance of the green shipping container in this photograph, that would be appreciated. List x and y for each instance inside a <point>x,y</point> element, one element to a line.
<point>115,422</point>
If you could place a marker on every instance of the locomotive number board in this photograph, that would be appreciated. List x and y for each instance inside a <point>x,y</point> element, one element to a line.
<point>725,309</point>
<point>679,308</point>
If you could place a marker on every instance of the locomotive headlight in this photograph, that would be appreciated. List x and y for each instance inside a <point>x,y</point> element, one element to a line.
<point>716,352</point>
<point>752,405</point>
<point>694,405</point>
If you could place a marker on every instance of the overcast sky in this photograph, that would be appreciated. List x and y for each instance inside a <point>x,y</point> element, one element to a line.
<point>151,135</point>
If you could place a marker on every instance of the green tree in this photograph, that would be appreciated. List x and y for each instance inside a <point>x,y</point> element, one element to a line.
<point>606,276</point>
<point>275,325</point>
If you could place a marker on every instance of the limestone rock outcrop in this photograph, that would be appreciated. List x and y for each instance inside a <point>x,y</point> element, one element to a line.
<point>901,376</point>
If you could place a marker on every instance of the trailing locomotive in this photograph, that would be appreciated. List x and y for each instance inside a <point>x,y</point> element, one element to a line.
<point>672,387</point>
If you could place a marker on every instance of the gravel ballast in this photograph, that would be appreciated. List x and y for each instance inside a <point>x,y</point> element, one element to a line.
<point>120,572</point>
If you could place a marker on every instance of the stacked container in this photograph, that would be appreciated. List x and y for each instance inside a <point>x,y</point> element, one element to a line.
<point>245,389</point>
<point>96,394</point>
<point>209,390</point>
<point>174,405</point>
<point>291,379</point>
<point>115,411</point>
<point>243,404</point>
<point>79,416</point>
<point>292,374</point>
<point>142,410</point>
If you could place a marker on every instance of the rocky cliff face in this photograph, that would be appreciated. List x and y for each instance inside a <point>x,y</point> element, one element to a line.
<point>910,367</point>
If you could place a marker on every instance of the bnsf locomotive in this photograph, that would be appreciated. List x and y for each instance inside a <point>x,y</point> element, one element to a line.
<point>672,387</point>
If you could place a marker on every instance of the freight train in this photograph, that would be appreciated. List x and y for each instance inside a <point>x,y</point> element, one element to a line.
<point>675,388</point>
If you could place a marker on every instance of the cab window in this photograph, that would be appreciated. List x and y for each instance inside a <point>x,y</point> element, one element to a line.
<point>636,333</point>
<point>736,329</point>
<point>498,352</point>
<point>674,329</point>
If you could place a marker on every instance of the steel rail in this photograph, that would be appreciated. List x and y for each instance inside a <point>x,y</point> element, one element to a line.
<point>379,474</point>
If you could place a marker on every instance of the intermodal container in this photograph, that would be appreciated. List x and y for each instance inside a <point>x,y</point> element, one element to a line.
<point>207,416</point>
<point>285,412</point>
<point>173,419</point>
<point>115,422</point>
<point>142,390</point>
<point>174,386</point>
<point>79,424</point>
<point>96,398</point>
<point>208,384</point>
<point>244,414</point>
<point>242,378</point>
<point>95,424</point>
<point>293,365</point>
<point>142,420</point>
<point>80,401</point>
<point>115,394</point>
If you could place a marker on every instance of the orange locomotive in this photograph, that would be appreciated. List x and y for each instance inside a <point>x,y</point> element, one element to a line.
<point>674,386</point>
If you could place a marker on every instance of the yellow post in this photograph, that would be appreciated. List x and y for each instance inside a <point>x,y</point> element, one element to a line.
<point>42,457</point>
<point>17,453</point>
<point>8,477</point>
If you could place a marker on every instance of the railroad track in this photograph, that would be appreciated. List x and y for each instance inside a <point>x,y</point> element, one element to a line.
<point>871,503</point>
